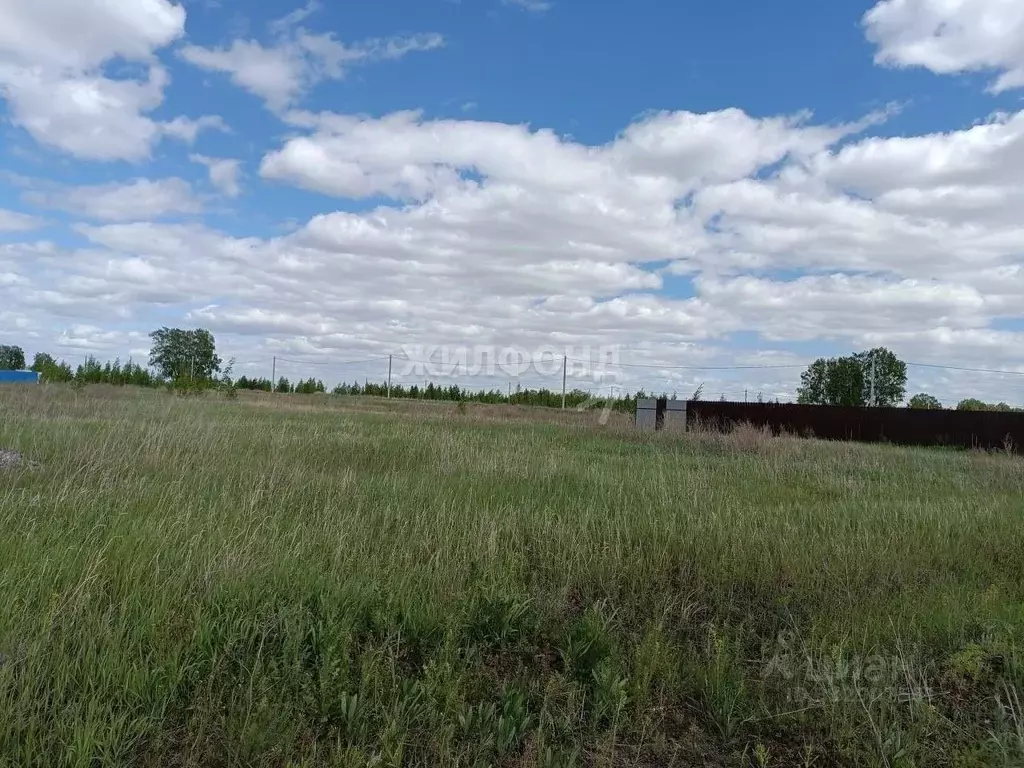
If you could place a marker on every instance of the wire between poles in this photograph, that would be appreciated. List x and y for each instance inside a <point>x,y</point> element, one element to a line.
<point>333,362</point>
<point>691,367</point>
<point>967,370</point>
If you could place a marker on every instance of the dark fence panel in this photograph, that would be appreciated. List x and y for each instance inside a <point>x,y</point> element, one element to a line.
<point>903,426</point>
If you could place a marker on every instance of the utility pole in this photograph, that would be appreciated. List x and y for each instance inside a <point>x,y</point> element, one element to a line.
<point>273,376</point>
<point>744,396</point>
<point>565,371</point>
<point>389,377</point>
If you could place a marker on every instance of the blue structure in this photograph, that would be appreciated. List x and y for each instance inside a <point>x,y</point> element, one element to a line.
<point>19,377</point>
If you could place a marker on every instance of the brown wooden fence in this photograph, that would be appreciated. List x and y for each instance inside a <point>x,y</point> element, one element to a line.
<point>904,426</point>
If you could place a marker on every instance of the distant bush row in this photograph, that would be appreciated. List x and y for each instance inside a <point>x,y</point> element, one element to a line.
<point>116,373</point>
<point>201,376</point>
<point>451,393</point>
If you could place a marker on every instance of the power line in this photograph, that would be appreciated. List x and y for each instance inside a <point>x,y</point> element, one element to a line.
<point>691,367</point>
<point>967,370</point>
<point>332,362</point>
<point>652,366</point>
<point>460,362</point>
<point>777,367</point>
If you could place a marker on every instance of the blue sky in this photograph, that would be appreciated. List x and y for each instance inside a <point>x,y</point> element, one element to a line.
<point>694,185</point>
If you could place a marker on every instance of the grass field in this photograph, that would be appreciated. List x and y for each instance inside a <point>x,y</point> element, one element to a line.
<point>315,581</point>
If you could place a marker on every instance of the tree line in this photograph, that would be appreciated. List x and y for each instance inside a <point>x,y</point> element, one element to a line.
<point>431,391</point>
<point>187,359</point>
<point>875,377</point>
<point>91,371</point>
<point>309,386</point>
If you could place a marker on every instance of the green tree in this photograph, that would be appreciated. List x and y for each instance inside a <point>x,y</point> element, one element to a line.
<point>973,404</point>
<point>89,372</point>
<point>182,354</point>
<point>812,383</point>
<point>924,402</point>
<point>310,387</point>
<point>890,376</point>
<point>847,380</point>
<point>283,386</point>
<point>12,358</point>
<point>836,381</point>
<point>42,361</point>
<point>50,370</point>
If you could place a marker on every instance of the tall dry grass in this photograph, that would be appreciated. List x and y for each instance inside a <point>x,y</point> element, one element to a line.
<point>308,581</point>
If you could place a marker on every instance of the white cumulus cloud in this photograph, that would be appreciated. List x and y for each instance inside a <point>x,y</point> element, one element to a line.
<point>52,54</point>
<point>282,71</point>
<point>951,36</point>
<point>223,172</point>
<point>135,200</point>
<point>82,34</point>
<point>13,221</point>
<point>668,239</point>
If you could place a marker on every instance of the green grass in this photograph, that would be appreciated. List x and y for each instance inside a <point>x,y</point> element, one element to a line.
<point>314,581</point>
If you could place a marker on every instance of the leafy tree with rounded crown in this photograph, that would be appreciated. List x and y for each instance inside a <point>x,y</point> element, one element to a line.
<point>890,377</point>
<point>12,358</point>
<point>179,354</point>
<point>847,380</point>
<point>836,381</point>
<point>973,404</point>
<point>924,402</point>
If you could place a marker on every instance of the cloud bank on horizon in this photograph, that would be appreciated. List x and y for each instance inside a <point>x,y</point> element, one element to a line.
<point>309,186</point>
